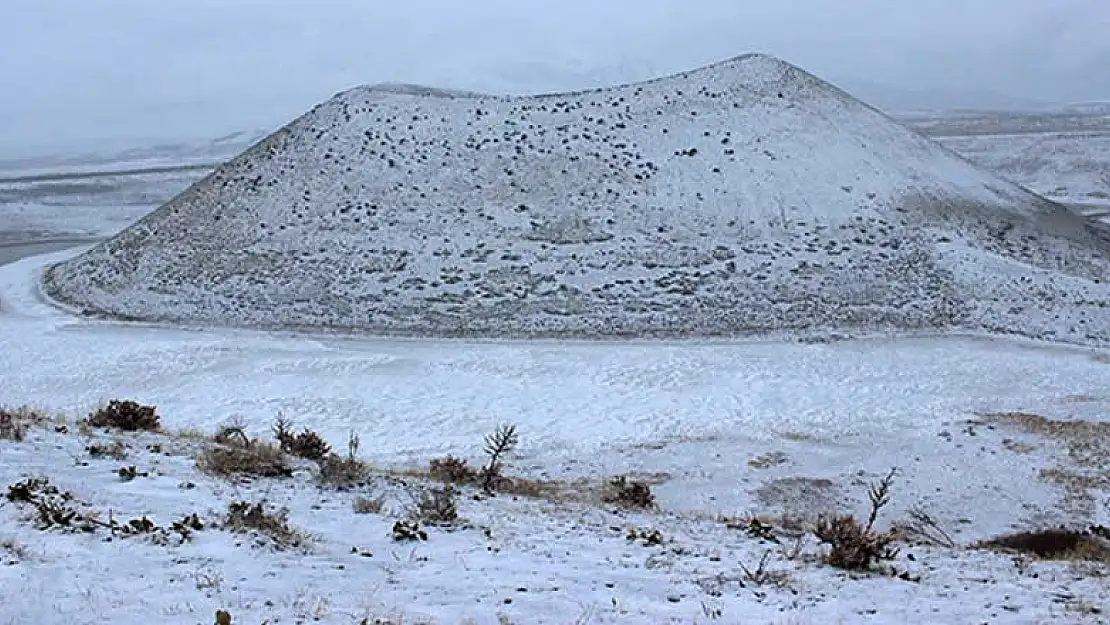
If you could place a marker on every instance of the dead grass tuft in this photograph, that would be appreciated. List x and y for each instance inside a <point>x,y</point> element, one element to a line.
<point>922,528</point>
<point>1053,544</point>
<point>126,415</point>
<point>368,505</point>
<point>12,551</point>
<point>115,450</point>
<point>451,470</point>
<point>344,472</point>
<point>14,422</point>
<point>437,506</point>
<point>768,460</point>
<point>11,428</point>
<point>244,518</point>
<point>257,459</point>
<point>628,493</point>
<point>536,489</point>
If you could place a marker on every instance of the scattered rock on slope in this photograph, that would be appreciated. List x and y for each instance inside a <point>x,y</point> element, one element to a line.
<point>744,197</point>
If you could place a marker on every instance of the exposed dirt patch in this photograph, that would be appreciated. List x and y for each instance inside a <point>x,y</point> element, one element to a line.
<point>1087,470</point>
<point>1088,442</point>
<point>1058,544</point>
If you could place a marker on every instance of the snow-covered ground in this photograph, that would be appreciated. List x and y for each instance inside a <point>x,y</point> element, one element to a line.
<point>727,428</point>
<point>1063,155</point>
<point>733,428</point>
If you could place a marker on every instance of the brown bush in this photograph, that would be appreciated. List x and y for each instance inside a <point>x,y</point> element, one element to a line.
<point>115,450</point>
<point>437,506</point>
<point>258,459</point>
<point>342,472</point>
<point>628,494</point>
<point>367,505</point>
<point>13,424</point>
<point>501,442</point>
<point>126,415</point>
<point>853,546</point>
<point>857,546</point>
<point>15,551</point>
<point>306,444</point>
<point>451,470</point>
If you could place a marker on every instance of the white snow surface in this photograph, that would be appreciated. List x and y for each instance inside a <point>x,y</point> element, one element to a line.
<point>747,197</point>
<point>688,415</point>
<point>1063,155</point>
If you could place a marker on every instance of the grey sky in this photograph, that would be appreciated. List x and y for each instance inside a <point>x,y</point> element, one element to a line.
<point>120,70</point>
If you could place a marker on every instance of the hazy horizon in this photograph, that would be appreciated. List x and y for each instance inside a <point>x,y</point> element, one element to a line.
<point>126,71</point>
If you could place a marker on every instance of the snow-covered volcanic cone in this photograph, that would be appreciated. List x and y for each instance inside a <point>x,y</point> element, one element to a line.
<point>744,197</point>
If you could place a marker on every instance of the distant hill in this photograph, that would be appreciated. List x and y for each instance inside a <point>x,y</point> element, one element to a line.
<point>743,198</point>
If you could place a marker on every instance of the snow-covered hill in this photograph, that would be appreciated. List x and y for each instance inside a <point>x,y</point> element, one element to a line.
<point>744,197</point>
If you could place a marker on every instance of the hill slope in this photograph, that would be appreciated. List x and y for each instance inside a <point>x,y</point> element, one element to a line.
<point>743,197</point>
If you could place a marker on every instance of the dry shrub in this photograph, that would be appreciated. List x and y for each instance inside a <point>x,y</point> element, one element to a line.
<point>306,444</point>
<point>243,517</point>
<point>451,470</point>
<point>650,538</point>
<point>232,435</point>
<point>11,428</point>
<point>344,472</point>
<point>126,415</point>
<point>1054,544</point>
<point>54,508</point>
<point>115,450</point>
<point>404,531</point>
<point>368,505</point>
<point>13,550</point>
<point>768,460</point>
<point>501,442</point>
<point>14,422</point>
<point>762,576</point>
<point>853,546</point>
<point>257,459</point>
<point>57,509</point>
<point>628,493</point>
<point>32,488</point>
<point>857,546</point>
<point>437,506</point>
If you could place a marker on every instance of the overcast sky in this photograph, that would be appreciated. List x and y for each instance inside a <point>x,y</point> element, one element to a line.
<point>118,71</point>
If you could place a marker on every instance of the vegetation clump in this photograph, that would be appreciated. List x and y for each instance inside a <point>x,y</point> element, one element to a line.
<point>126,415</point>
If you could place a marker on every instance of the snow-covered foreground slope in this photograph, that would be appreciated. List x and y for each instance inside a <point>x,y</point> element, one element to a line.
<point>741,198</point>
<point>734,428</point>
